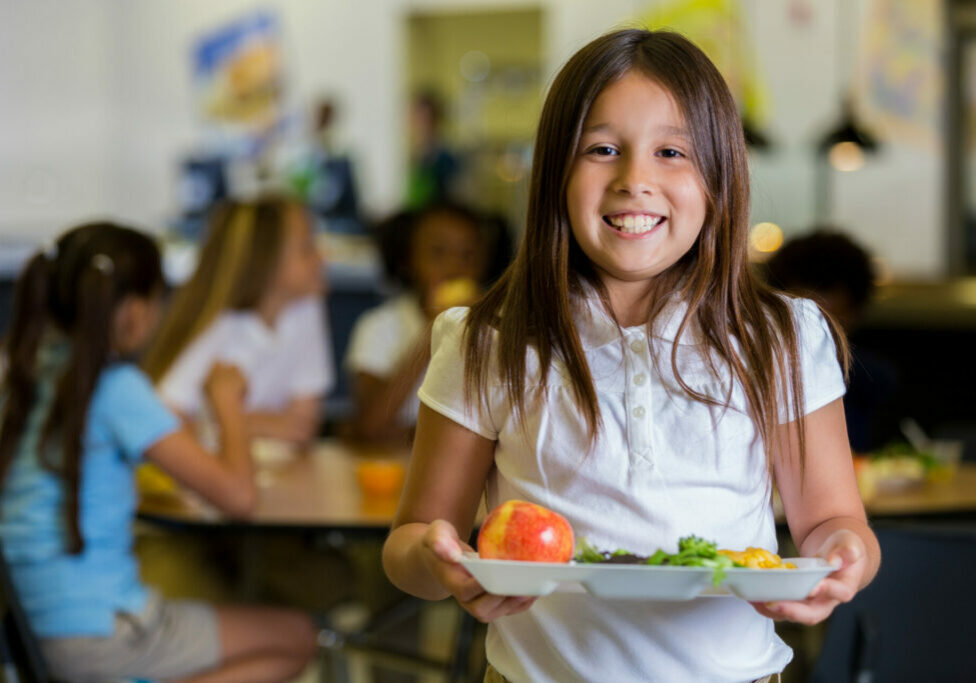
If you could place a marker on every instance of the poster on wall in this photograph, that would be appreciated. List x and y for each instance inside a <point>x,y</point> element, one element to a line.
<point>237,76</point>
<point>900,75</point>
<point>719,29</point>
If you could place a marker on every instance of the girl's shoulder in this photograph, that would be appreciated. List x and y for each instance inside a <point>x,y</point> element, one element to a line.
<point>123,377</point>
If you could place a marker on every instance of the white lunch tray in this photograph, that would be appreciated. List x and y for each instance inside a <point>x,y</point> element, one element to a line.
<point>645,582</point>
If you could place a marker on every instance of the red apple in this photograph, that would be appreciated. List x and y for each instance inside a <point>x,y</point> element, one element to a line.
<point>517,530</point>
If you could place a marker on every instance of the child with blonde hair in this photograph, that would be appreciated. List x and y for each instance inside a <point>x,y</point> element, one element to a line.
<point>254,301</point>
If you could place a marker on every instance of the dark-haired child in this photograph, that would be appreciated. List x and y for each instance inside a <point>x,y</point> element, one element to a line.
<point>442,256</point>
<point>78,416</point>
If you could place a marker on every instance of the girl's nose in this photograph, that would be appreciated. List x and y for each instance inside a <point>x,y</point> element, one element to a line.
<point>635,176</point>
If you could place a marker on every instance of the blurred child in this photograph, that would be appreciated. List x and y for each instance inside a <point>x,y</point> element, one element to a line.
<point>254,301</point>
<point>441,255</point>
<point>836,272</point>
<point>77,417</point>
<point>434,169</point>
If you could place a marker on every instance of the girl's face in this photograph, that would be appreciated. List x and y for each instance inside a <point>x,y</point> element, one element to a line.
<point>135,321</point>
<point>635,200</point>
<point>445,247</point>
<point>299,271</point>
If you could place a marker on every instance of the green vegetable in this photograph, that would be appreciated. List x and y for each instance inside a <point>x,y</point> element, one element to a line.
<point>693,551</point>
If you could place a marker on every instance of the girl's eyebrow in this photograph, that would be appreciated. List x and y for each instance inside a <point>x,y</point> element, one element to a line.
<point>676,131</point>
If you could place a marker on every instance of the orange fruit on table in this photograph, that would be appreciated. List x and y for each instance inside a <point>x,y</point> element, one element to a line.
<point>380,478</point>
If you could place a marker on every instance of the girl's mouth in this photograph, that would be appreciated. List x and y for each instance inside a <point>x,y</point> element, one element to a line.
<point>634,223</point>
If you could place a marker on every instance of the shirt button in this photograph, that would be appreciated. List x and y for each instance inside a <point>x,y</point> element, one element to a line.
<point>640,379</point>
<point>639,412</point>
<point>637,346</point>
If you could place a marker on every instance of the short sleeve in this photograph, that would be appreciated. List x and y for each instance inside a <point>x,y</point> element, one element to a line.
<point>182,386</point>
<point>821,374</point>
<point>131,412</point>
<point>313,368</point>
<point>373,344</point>
<point>443,386</point>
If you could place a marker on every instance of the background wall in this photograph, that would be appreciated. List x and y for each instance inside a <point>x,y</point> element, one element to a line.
<point>96,108</point>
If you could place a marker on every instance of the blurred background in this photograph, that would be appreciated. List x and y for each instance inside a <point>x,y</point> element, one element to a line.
<point>105,104</point>
<point>860,115</point>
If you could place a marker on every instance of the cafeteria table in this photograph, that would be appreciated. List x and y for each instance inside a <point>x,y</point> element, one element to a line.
<point>317,491</point>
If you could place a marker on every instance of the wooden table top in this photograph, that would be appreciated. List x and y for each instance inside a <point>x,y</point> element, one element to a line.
<point>318,490</point>
<point>952,496</point>
<point>314,489</point>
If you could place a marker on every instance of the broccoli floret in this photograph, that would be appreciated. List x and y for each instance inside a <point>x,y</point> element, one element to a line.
<point>695,545</point>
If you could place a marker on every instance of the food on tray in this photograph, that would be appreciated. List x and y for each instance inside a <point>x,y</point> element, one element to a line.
<point>757,558</point>
<point>692,552</point>
<point>457,292</point>
<point>517,530</point>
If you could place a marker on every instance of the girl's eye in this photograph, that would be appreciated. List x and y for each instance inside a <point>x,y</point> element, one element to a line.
<point>669,153</point>
<point>603,151</point>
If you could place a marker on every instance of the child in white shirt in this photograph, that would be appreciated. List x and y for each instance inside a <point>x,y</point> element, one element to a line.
<point>254,301</point>
<point>629,372</point>
<point>390,345</point>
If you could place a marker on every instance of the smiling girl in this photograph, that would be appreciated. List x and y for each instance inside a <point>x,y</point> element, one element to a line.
<point>629,373</point>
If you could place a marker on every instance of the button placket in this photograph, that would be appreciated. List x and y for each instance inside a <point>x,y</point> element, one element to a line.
<point>638,397</point>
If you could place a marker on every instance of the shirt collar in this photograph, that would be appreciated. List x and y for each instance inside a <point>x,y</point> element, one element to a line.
<point>596,328</point>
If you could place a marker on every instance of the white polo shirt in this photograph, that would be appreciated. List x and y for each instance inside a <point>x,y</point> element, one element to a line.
<point>381,340</point>
<point>292,360</point>
<point>664,466</point>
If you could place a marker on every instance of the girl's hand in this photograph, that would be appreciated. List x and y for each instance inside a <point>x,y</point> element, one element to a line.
<point>846,551</point>
<point>441,550</point>
<point>225,388</point>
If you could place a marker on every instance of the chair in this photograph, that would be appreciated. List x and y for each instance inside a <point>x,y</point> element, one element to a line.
<point>914,622</point>
<point>20,653</point>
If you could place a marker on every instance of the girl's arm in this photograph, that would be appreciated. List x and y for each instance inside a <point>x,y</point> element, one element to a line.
<point>447,475</point>
<point>379,399</point>
<point>298,423</point>
<point>226,480</point>
<point>824,512</point>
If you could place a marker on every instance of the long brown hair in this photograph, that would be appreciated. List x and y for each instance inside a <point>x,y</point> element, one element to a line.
<point>236,265</point>
<point>73,292</point>
<point>532,302</point>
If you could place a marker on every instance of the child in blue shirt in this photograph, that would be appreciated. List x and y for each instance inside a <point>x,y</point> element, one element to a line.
<point>77,417</point>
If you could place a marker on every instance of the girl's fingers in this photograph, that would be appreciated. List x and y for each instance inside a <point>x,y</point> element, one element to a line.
<point>834,589</point>
<point>442,540</point>
<point>489,607</point>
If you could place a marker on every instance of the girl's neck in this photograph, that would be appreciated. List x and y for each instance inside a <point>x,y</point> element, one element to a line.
<point>269,308</point>
<point>630,301</point>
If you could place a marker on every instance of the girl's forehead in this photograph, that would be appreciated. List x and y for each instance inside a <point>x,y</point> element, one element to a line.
<point>632,88</point>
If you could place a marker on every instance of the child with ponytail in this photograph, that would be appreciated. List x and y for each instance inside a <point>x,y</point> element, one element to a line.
<point>77,417</point>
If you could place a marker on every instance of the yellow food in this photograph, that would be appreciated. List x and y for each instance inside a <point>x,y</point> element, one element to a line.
<point>151,480</point>
<point>459,292</point>
<point>757,558</point>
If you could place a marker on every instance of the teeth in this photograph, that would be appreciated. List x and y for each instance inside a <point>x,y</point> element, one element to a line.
<point>635,224</point>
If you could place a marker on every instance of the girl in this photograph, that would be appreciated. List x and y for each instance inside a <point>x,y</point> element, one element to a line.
<point>254,301</point>
<point>77,417</point>
<point>628,372</point>
<point>390,346</point>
